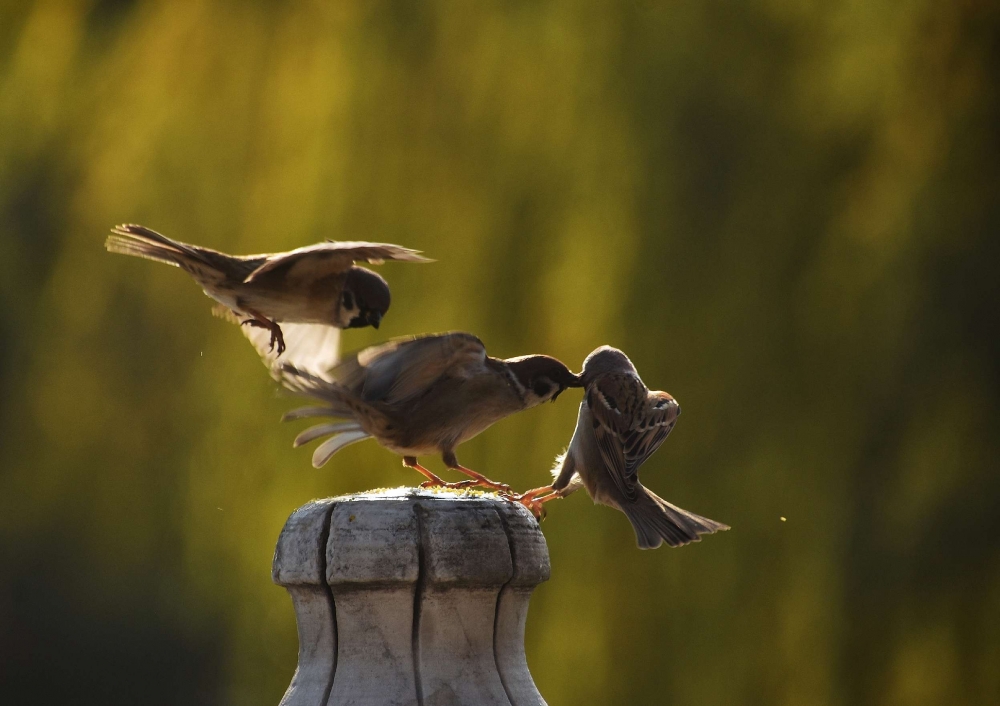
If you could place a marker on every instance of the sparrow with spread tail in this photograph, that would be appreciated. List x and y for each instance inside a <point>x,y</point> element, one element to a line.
<point>316,284</point>
<point>620,424</point>
<point>424,395</point>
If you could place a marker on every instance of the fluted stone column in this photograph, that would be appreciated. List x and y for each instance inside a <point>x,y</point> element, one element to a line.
<point>411,597</point>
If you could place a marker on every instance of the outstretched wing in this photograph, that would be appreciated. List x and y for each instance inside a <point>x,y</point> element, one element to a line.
<point>405,368</point>
<point>312,348</point>
<point>329,258</point>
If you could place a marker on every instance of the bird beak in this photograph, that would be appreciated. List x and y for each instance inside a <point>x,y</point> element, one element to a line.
<point>374,318</point>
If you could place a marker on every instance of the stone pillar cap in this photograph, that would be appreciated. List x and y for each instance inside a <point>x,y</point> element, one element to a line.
<point>411,596</point>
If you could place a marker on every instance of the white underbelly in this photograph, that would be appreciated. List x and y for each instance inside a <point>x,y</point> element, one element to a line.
<point>226,297</point>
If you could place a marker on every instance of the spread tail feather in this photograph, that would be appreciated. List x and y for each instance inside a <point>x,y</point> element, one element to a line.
<point>337,402</point>
<point>656,521</point>
<point>139,241</point>
<point>328,448</point>
<point>148,251</point>
<point>323,430</point>
<point>306,412</point>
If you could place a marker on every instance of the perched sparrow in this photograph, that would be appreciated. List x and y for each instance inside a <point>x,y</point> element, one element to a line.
<point>317,284</point>
<point>424,395</point>
<point>621,423</point>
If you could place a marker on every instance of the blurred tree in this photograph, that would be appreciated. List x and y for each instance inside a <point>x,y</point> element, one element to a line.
<point>785,213</point>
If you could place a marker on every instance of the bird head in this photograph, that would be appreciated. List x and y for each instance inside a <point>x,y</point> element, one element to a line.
<point>605,360</point>
<point>364,299</point>
<point>542,378</point>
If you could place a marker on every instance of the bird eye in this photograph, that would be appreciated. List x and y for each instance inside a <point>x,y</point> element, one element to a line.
<point>541,388</point>
<point>348,300</point>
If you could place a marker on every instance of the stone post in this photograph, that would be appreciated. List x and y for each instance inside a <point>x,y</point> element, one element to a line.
<point>411,597</point>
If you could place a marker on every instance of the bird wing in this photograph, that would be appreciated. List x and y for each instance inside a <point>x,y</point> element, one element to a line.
<point>405,368</point>
<point>322,259</point>
<point>313,348</point>
<point>651,427</point>
<point>614,401</point>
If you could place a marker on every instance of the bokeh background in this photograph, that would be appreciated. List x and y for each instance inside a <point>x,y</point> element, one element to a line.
<point>786,213</point>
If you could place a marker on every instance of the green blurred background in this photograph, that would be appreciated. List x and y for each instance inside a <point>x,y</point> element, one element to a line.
<point>785,212</point>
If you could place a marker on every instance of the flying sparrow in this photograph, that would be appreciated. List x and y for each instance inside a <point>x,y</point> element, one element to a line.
<point>317,284</point>
<point>620,424</point>
<point>424,395</point>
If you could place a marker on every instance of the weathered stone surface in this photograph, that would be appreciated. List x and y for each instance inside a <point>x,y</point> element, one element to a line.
<point>531,567</point>
<point>300,566</point>
<point>373,557</point>
<point>466,563</point>
<point>411,597</point>
<point>373,542</point>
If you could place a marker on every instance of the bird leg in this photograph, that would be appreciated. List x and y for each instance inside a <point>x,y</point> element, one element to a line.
<point>433,480</point>
<point>259,321</point>
<point>534,493</point>
<point>451,461</point>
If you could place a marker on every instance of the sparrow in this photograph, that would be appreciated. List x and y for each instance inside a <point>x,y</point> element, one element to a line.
<point>316,284</point>
<point>620,424</point>
<point>424,395</point>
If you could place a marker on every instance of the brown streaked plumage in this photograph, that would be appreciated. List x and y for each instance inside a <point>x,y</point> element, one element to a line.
<point>424,395</point>
<point>620,424</point>
<point>316,284</point>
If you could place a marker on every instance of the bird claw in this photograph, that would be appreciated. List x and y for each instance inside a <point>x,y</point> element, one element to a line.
<point>537,508</point>
<point>277,338</point>
<point>533,500</point>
